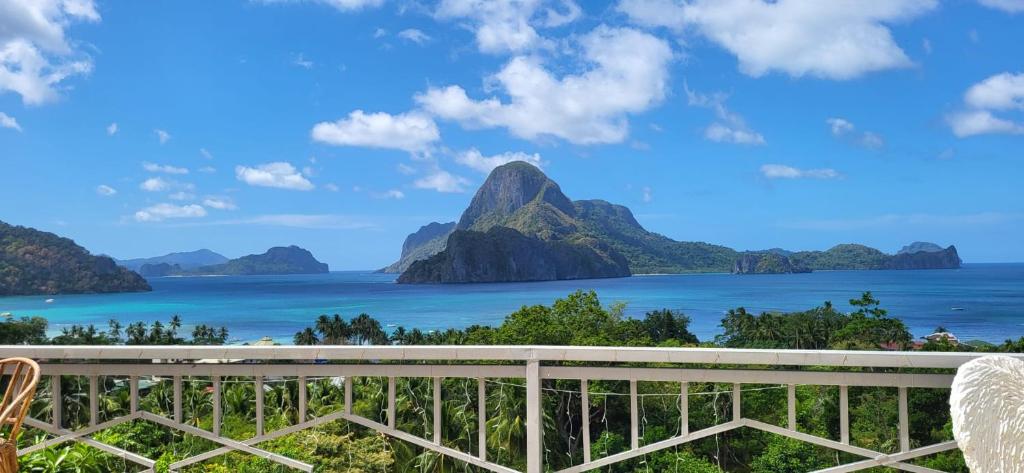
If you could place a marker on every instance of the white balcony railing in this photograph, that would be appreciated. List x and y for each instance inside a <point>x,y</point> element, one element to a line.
<point>532,364</point>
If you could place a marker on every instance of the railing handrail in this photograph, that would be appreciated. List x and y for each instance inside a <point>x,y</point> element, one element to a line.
<point>601,354</point>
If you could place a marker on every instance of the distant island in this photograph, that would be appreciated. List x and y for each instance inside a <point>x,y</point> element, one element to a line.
<point>519,226</point>
<point>34,262</point>
<point>187,260</point>
<point>277,260</point>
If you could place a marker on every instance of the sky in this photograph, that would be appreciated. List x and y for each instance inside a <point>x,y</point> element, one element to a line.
<point>141,128</point>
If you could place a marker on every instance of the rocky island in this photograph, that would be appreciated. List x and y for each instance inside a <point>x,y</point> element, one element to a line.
<point>519,226</point>
<point>36,262</point>
<point>277,260</point>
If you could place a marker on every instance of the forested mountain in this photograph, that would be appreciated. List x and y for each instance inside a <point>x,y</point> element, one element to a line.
<point>38,262</point>
<point>557,238</point>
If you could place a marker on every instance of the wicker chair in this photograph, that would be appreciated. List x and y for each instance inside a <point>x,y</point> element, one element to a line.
<point>21,376</point>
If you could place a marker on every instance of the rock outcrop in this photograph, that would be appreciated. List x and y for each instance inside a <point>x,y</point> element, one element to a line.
<point>428,241</point>
<point>503,254</point>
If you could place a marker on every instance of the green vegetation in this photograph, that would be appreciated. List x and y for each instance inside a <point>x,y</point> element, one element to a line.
<point>578,319</point>
<point>37,262</point>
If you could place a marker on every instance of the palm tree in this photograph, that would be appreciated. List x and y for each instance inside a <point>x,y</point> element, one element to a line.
<point>333,330</point>
<point>306,337</point>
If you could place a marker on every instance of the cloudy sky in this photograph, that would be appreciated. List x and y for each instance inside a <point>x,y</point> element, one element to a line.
<point>139,128</point>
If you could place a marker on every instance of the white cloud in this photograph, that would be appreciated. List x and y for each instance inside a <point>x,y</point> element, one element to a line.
<point>155,184</point>
<point>281,175</point>
<point>163,211</point>
<point>380,33</point>
<point>181,195</point>
<point>720,133</point>
<point>781,171</point>
<point>412,131</point>
<point>999,93</point>
<point>414,35</point>
<point>442,181</point>
<point>505,25</point>
<point>627,72</point>
<point>1009,6</point>
<point>342,5</point>
<point>352,5</point>
<point>112,129</point>
<point>839,39</point>
<point>159,184</point>
<point>840,126</point>
<point>207,169</point>
<point>892,220</point>
<point>981,122</point>
<point>303,62</point>
<point>405,169</point>
<point>220,203</point>
<point>312,221</point>
<point>7,121</point>
<point>332,187</point>
<point>164,168</point>
<point>485,164</point>
<point>844,129</point>
<point>105,190</point>
<point>162,135</point>
<point>730,127</point>
<point>647,194</point>
<point>389,194</point>
<point>926,44</point>
<point>35,55</point>
<point>205,153</point>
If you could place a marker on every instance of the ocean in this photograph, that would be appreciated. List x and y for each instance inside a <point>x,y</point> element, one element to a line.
<point>978,301</point>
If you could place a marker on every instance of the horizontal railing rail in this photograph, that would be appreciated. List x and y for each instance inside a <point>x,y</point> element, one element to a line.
<point>259,365</point>
<point>723,356</point>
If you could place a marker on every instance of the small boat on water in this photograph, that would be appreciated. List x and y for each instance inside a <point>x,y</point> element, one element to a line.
<point>49,301</point>
<point>957,309</point>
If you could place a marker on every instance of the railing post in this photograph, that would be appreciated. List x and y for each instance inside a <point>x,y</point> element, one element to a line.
<point>348,394</point>
<point>684,409</point>
<point>737,403</point>
<point>133,394</point>
<point>634,417</point>
<point>481,394</point>
<point>216,405</point>
<point>844,414</point>
<point>437,410</point>
<point>177,399</point>
<point>585,415</point>
<point>94,400</point>
<point>392,421</point>
<point>259,406</point>
<point>57,401</point>
<point>534,419</point>
<point>791,406</point>
<point>302,400</point>
<point>905,421</point>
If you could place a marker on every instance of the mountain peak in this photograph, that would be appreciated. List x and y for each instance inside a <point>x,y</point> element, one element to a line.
<point>510,187</point>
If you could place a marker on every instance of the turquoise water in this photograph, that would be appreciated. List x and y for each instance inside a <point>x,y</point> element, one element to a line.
<point>278,306</point>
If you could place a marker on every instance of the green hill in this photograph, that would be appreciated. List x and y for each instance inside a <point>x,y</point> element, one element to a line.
<point>36,262</point>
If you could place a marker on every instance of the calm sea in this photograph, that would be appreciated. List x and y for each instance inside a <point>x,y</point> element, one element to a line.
<point>991,297</point>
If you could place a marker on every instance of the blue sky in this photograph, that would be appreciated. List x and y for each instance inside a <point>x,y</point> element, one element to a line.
<point>140,128</point>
